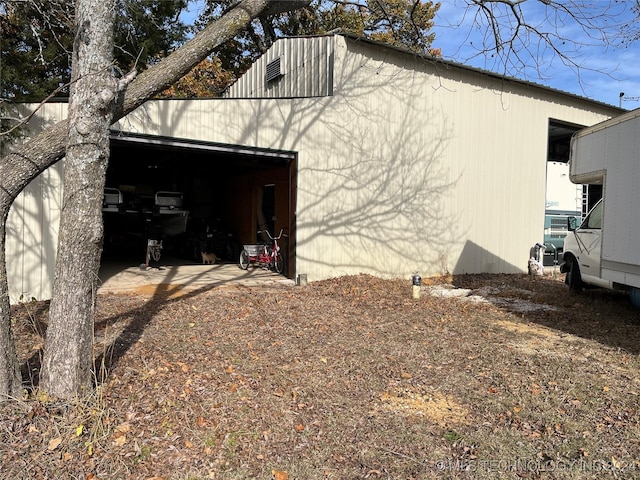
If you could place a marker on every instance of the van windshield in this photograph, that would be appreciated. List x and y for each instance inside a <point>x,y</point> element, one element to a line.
<point>594,219</point>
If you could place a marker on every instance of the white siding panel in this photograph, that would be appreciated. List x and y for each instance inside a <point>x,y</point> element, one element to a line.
<point>32,236</point>
<point>32,225</point>
<point>409,166</point>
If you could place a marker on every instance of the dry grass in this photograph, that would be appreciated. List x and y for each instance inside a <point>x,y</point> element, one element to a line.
<point>341,379</point>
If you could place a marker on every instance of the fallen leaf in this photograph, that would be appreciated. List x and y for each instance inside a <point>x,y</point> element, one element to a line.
<point>300,427</point>
<point>54,443</point>
<point>123,427</point>
<point>79,430</point>
<point>67,456</point>
<point>188,444</point>
<point>280,475</point>
<point>120,441</point>
<point>517,409</point>
<point>229,369</point>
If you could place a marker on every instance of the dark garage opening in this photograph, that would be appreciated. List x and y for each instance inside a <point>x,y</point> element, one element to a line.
<point>564,199</point>
<point>195,196</point>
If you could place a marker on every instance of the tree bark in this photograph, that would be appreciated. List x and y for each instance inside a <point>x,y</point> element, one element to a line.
<point>24,164</point>
<point>68,353</point>
<point>16,171</point>
<point>10,382</point>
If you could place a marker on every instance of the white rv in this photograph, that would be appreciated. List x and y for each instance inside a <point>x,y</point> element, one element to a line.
<point>604,250</point>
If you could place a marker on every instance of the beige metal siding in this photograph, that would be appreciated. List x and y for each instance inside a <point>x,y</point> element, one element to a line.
<point>409,166</point>
<point>307,67</point>
<point>32,225</point>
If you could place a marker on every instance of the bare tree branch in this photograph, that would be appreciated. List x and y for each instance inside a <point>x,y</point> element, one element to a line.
<point>519,36</point>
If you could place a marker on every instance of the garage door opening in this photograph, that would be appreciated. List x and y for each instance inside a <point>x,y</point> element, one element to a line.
<point>563,198</point>
<point>195,197</point>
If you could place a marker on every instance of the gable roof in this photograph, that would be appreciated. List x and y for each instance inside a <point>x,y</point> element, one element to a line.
<point>453,64</point>
<point>241,91</point>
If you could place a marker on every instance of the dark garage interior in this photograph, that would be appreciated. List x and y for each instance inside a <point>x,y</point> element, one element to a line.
<point>195,197</point>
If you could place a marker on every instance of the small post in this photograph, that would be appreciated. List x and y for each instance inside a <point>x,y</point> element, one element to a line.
<point>417,282</point>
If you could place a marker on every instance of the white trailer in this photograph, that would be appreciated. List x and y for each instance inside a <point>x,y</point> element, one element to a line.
<point>605,250</point>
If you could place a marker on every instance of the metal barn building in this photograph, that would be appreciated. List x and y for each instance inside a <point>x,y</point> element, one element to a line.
<point>371,158</point>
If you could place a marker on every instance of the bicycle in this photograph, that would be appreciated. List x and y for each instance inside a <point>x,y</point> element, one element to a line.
<point>154,250</point>
<point>267,256</point>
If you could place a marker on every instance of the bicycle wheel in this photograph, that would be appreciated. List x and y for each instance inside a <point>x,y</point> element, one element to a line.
<point>278,263</point>
<point>243,261</point>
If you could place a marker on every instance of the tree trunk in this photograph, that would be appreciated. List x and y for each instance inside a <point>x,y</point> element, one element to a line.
<point>16,171</point>
<point>10,381</point>
<point>68,354</point>
<point>20,167</point>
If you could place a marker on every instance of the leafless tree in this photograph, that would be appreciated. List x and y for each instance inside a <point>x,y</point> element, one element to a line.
<point>68,356</point>
<point>521,37</point>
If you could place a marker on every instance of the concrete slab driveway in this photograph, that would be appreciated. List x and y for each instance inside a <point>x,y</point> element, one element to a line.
<point>121,277</point>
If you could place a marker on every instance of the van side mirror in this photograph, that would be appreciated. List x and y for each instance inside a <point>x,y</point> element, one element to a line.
<point>572,223</point>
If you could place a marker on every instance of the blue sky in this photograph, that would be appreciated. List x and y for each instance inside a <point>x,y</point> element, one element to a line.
<point>605,70</point>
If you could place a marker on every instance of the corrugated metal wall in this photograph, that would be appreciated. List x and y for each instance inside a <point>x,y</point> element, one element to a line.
<point>32,226</point>
<point>306,67</point>
<point>409,166</point>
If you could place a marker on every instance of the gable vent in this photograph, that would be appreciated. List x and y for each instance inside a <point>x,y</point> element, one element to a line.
<point>275,70</point>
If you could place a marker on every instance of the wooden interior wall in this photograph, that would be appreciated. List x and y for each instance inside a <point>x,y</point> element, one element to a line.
<point>244,191</point>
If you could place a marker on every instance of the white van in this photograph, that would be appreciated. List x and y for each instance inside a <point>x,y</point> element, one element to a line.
<point>581,252</point>
<point>582,255</point>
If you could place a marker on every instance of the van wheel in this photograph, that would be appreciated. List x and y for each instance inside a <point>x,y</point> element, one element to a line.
<point>573,278</point>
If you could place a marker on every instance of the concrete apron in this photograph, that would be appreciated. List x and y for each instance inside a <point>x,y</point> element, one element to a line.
<point>174,278</point>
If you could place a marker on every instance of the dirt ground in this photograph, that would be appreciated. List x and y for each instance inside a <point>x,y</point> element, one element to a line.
<point>483,376</point>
